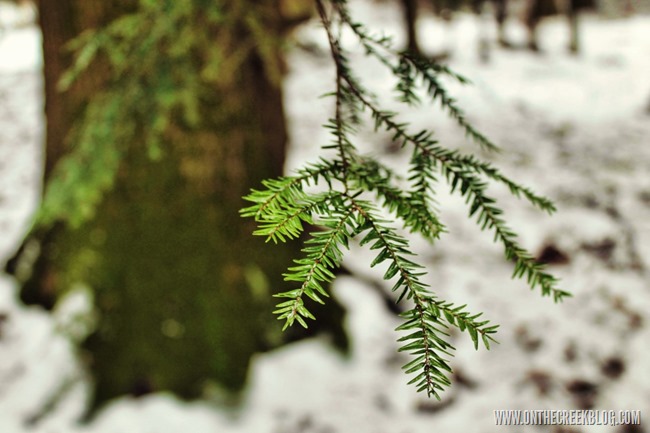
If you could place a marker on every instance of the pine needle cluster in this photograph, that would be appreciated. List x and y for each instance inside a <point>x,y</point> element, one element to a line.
<point>347,194</point>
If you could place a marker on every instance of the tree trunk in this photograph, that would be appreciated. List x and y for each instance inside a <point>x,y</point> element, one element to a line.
<point>182,289</point>
<point>410,11</point>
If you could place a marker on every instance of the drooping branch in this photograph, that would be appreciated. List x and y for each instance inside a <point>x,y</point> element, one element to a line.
<point>360,188</point>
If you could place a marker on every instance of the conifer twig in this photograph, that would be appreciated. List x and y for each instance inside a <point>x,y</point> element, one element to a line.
<point>346,212</point>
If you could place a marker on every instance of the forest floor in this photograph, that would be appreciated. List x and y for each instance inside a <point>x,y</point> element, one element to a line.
<point>575,128</point>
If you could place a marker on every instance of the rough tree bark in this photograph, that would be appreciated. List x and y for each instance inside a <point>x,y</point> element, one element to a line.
<point>181,287</point>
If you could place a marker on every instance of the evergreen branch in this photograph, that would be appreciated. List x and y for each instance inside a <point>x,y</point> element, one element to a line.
<point>425,342</point>
<point>409,66</point>
<point>385,43</point>
<point>488,217</point>
<point>392,246</point>
<point>456,316</point>
<point>426,346</point>
<point>287,223</point>
<point>278,194</point>
<point>323,253</point>
<point>449,158</point>
<point>370,175</point>
<point>281,192</point>
<point>422,196</point>
<point>427,72</point>
<point>453,158</point>
<point>85,48</point>
<point>283,207</point>
<point>422,63</point>
<point>346,84</point>
<point>516,189</point>
<point>136,93</point>
<point>368,41</point>
<point>524,263</point>
<point>82,177</point>
<point>342,142</point>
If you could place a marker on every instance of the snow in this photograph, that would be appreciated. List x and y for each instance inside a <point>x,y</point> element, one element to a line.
<point>574,128</point>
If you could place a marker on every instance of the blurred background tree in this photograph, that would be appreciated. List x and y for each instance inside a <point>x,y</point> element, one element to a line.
<point>169,112</point>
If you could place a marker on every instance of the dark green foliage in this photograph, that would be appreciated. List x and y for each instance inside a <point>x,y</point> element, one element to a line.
<point>346,211</point>
<point>158,69</point>
<point>154,75</point>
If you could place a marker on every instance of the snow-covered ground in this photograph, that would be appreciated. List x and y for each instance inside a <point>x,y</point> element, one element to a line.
<point>574,128</point>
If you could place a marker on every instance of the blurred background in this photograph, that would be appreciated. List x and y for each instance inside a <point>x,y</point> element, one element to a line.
<point>140,301</point>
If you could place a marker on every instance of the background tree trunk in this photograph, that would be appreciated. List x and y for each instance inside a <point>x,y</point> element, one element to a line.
<point>181,287</point>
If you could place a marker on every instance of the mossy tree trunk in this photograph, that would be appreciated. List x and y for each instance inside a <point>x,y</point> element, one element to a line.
<point>181,288</point>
